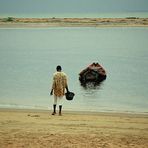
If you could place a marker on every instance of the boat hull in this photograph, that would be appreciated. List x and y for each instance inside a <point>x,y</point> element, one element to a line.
<point>93,73</point>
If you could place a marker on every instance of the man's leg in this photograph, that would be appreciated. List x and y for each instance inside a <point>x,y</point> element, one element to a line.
<point>60,105</point>
<point>54,109</point>
<point>54,105</point>
<point>60,110</point>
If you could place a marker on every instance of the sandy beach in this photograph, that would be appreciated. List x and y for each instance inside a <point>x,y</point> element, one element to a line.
<point>73,22</point>
<point>34,129</point>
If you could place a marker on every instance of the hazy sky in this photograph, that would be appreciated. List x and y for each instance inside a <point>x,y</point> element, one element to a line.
<point>71,6</point>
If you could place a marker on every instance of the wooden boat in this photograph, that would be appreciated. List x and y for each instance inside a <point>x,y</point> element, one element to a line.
<point>93,73</point>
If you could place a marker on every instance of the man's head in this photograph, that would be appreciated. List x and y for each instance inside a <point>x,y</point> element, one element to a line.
<point>59,68</point>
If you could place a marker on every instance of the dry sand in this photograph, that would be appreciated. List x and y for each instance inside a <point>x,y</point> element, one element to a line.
<point>28,128</point>
<point>73,22</point>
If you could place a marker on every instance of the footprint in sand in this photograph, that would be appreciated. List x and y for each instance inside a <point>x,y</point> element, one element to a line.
<point>33,115</point>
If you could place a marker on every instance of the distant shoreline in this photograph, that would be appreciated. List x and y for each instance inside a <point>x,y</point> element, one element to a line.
<point>11,22</point>
<point>117,113</point>
<point>112,112</point>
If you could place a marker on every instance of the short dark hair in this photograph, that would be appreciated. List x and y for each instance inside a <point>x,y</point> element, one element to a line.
<point>59,68</point>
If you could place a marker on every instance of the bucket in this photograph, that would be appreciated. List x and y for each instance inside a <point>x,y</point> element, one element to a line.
<point>69,95</point>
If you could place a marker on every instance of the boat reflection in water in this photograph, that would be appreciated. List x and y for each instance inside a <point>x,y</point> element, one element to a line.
<point>92,76</point>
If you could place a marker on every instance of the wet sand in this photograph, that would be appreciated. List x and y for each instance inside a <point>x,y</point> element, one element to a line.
<point>73,22</point>
<point>36,128</point>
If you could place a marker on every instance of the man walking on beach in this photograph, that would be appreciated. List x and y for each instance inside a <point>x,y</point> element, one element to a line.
<point>58,87</point>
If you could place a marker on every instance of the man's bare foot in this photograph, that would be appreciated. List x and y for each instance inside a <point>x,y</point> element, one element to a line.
<point>53,113</point>
<point>60,114</point>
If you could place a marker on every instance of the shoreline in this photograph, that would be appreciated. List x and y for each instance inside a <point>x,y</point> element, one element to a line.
<point>134,114</point>
<point>116,112</point>
<point>29,128</point>
<point>11,22</point>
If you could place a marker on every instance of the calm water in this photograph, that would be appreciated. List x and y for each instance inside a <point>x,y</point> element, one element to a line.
<point>28,58</point>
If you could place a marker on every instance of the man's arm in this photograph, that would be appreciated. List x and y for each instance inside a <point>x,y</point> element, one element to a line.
<point>51,93</point>
<point>66,84</point>
<point>67,88</point>
<point>53,86</point>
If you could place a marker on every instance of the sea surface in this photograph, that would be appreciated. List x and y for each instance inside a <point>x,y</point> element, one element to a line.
<point>28,59</point>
